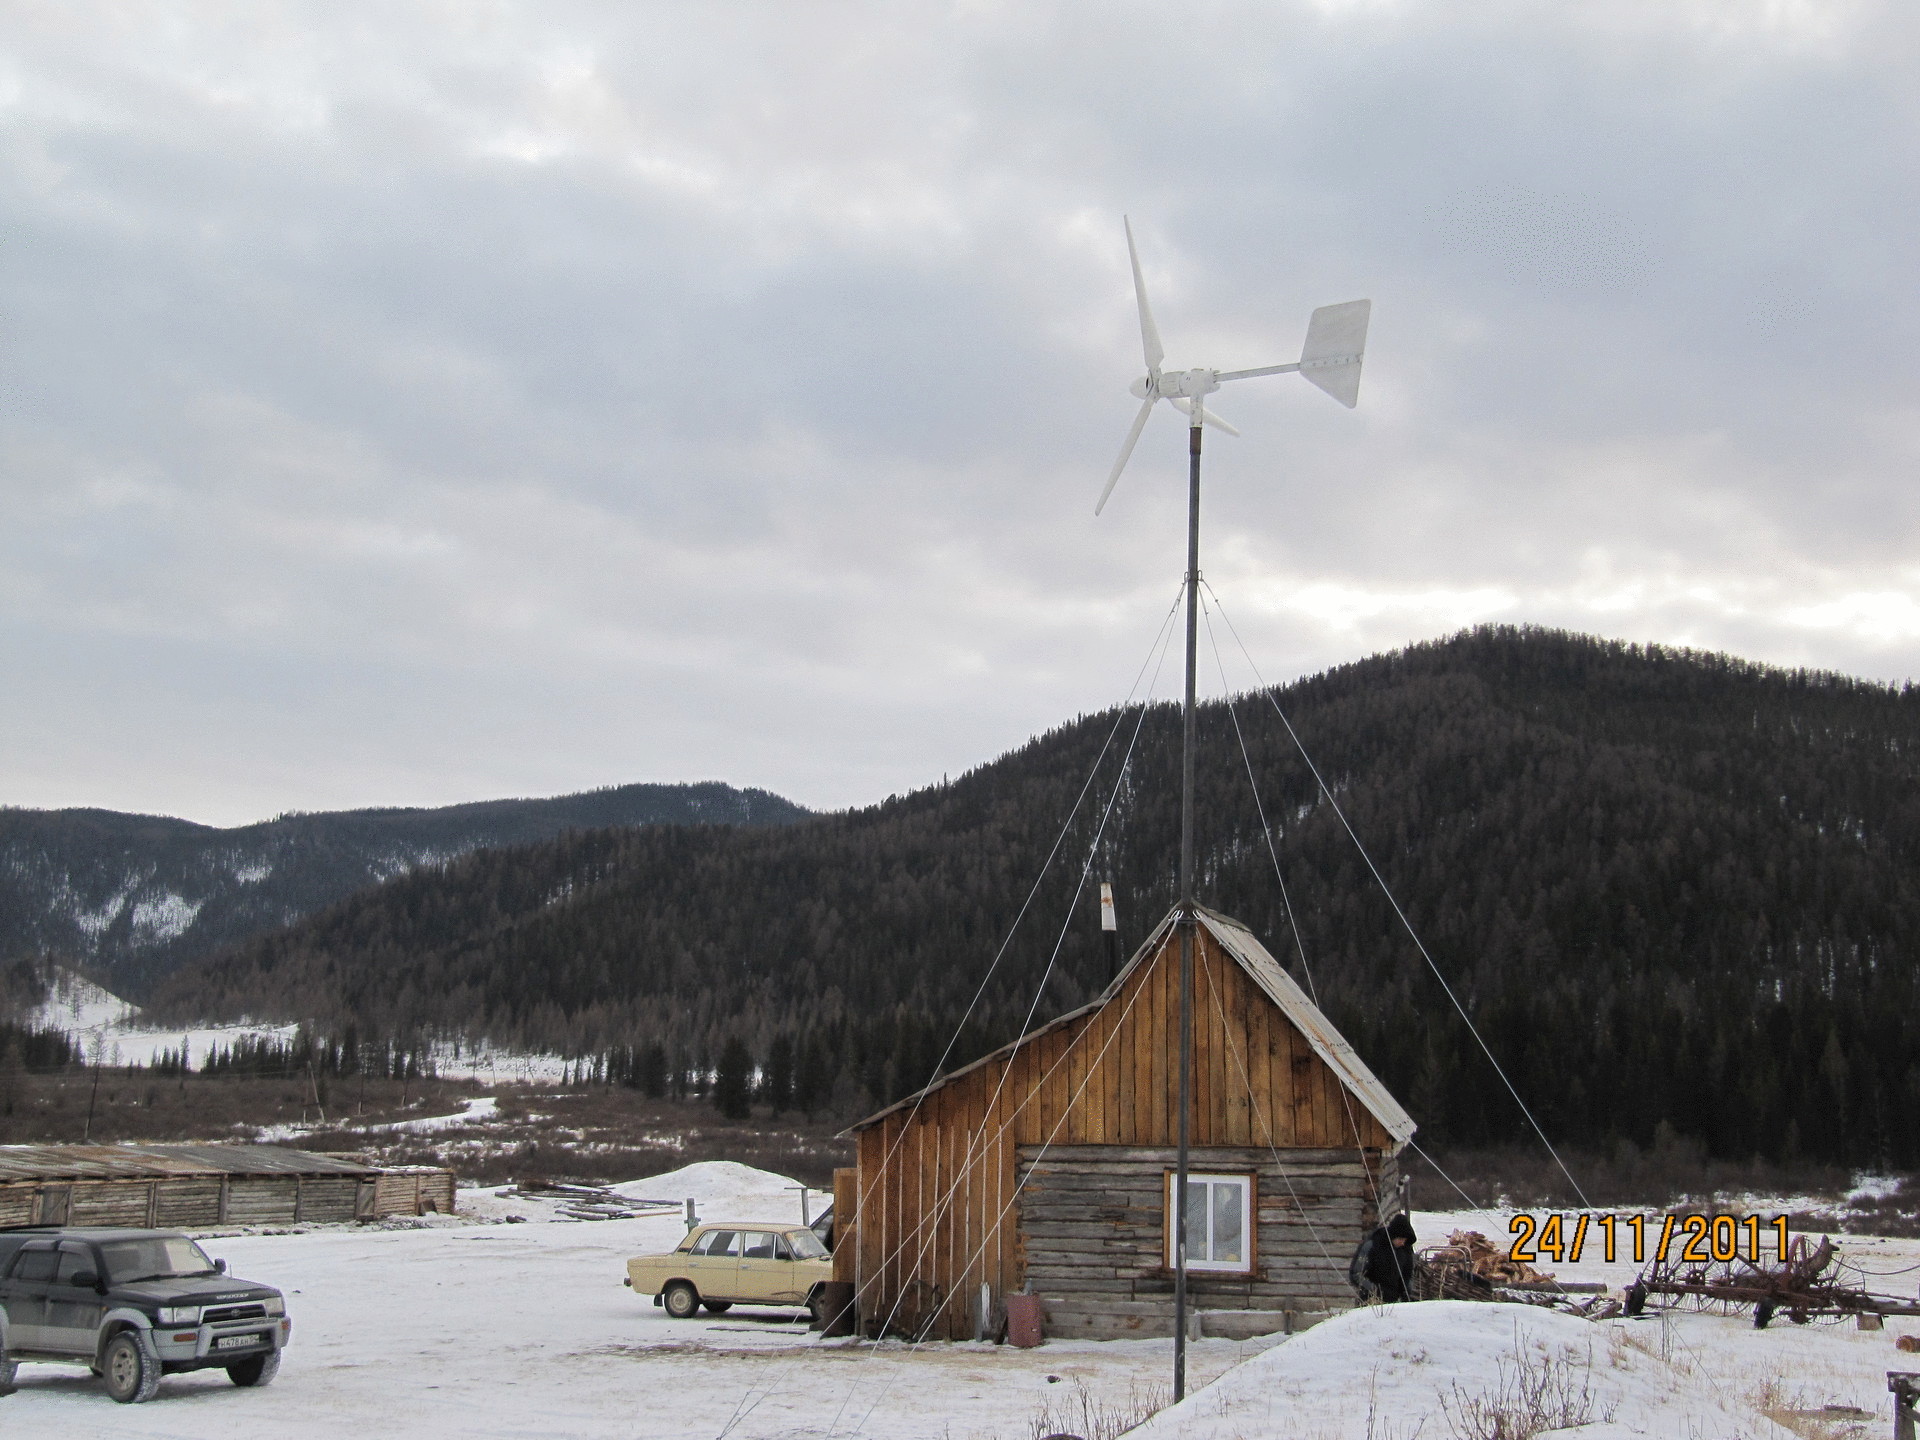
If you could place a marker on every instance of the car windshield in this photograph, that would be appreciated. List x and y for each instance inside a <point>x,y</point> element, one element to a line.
<point>163,1257</point>
<point>806,1244</point>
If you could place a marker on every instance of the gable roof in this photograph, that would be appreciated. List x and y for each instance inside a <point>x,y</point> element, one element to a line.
<point>1278,986</point>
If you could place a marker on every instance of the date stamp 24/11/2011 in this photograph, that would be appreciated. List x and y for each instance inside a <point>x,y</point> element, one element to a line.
<point>1701,1239</point>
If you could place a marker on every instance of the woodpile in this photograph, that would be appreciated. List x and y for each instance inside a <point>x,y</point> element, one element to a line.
<point>1469,1267</point>
<point>1472,1251</point>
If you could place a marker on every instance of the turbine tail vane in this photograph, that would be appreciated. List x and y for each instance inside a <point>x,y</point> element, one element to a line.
<point>1336,345</point>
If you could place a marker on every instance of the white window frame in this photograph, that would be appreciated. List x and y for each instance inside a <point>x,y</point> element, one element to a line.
<point>1241,1179</point>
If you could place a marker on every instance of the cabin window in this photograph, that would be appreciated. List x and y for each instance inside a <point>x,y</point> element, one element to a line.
<point>1219,1222</point>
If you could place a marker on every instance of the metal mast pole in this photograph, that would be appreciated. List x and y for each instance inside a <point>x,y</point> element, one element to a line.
<point>1188,920</point>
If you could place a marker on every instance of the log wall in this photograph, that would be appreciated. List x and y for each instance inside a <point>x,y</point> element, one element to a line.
<point>1093,1233</point>
<point>17,1204</point>
<point>939,1201</point>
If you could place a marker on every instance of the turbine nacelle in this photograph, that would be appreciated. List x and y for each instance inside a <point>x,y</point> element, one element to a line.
<point>1176,384</point>
<point>1331,359</point>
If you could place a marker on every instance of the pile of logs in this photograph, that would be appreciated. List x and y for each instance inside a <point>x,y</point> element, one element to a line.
<point>1468,1252</point>
<point>1471,1267</point>
<point>590,1202</point>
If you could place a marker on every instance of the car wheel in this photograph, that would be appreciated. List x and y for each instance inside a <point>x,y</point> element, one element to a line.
<point>681,1300</point>
<point>7,1371</point>
<point>130,1368</point>
<point>260,1370</point>
<point>717,1307</point>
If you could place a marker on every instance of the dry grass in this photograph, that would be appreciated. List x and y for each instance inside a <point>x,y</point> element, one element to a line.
<point>603,1134</point>
<point>1805,1414</point>
<point>596,1134</point>
<point>1080,1413</point>
<point>1536,1390</point>
<point>1668,1173</point>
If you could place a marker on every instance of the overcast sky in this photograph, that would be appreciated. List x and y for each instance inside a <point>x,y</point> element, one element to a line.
<point>414,403</point>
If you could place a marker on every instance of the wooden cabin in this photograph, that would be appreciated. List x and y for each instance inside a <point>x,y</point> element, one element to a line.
<point>1048,1165</point>
<point>187,1186</point>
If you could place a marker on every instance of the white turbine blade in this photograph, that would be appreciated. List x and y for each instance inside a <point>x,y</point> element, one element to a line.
<point>1207,417</point>
<point>1126,451</point>
<point>1149,332</point>
<point>1336,344</point>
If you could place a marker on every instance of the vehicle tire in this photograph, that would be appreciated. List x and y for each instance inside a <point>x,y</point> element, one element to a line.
<point>7,1371</point>
<point>717,1307</point>
<point>681,1300</point>
<point>260,1370</point>
<point>130,1368</point>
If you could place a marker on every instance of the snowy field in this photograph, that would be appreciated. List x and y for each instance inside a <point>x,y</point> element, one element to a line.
<point>473,1327</point>
<point>114,1032</point>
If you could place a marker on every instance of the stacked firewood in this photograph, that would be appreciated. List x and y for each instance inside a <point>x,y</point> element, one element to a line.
<point>1469,1267</point>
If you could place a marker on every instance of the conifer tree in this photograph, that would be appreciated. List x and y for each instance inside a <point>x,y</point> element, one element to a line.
<point>733,1080</point>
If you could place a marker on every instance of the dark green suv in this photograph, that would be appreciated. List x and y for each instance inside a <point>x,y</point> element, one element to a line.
<point>132,1305</point>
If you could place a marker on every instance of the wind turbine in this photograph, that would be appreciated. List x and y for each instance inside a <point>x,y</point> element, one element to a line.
<point>1336,344</point>
<point>1330,359</point>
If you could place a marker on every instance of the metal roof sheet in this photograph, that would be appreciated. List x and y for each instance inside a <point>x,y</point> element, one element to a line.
<point>1253,957</point>
<point>150,1162</point>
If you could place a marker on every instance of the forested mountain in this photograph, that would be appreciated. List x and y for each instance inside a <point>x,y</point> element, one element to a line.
<point>1670,887</point>
<point>131,897</point>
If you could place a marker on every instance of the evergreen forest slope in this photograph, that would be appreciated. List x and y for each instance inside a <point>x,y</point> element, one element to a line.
<point>1673,889</point>
<point>129,898</point>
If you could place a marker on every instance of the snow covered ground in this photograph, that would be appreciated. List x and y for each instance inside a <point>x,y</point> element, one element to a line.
<point>1385,1370</point>
<point>114,1032</point>
<point>470,1326</point>
<point>111,1030</point>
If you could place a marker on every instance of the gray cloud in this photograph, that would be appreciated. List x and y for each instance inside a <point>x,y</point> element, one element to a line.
<point>432,403</point>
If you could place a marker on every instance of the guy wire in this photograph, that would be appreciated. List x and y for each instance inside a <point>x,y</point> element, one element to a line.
<point>1387,890</point>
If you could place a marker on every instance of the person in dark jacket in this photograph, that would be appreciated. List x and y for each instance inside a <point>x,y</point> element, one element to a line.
<point>1382,1268</point>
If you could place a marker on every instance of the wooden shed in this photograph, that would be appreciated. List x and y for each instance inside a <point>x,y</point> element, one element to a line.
<point>188,1186</point>
<point>1048,1165</point>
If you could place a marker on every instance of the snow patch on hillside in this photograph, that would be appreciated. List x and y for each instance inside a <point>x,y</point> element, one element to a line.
<point>114,1032</point>
<point>94,923</point>
<point>111,1030</point>
<point>400,862</point>
<point>167,917</point>
<point>77,1005</point>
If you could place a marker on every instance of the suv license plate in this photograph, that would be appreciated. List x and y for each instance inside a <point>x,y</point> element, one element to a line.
<point>237,1342</point>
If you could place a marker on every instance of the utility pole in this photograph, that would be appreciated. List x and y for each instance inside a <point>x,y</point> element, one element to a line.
<point>1188,919</point>
<point>1330,360</point>
<point>86,1135</point>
